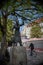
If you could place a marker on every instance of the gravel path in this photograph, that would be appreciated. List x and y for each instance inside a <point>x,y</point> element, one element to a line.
<point>34,60</point>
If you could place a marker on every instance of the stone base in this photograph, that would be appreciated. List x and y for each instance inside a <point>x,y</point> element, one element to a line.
<point>18,56</point>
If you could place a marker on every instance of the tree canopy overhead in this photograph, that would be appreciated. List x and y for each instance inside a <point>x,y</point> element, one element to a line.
<point>24,9</point>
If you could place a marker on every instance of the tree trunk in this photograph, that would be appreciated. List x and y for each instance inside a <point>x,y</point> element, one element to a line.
<point>4,43</point>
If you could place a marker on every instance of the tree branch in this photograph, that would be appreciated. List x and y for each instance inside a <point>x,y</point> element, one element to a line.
<point>26,9</point>
<point>24,18</point>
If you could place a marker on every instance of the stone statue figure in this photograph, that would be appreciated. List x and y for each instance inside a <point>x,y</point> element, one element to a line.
<point>17,37</point>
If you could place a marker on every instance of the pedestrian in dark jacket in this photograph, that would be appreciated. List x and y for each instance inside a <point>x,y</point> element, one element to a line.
<point>31,48</point>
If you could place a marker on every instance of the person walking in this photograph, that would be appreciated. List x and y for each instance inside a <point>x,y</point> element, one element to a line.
<point>31,46</point>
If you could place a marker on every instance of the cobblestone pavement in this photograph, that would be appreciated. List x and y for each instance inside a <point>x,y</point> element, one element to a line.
<point>34,60</point>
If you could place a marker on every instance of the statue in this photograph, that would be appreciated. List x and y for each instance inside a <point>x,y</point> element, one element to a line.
<point>17,38</point>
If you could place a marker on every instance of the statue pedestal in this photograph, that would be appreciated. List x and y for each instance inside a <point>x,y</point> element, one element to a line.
<point>18,56</point>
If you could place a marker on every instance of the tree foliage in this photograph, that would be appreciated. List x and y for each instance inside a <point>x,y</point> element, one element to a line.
<point>36,31</point>
<point>9,30</point>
